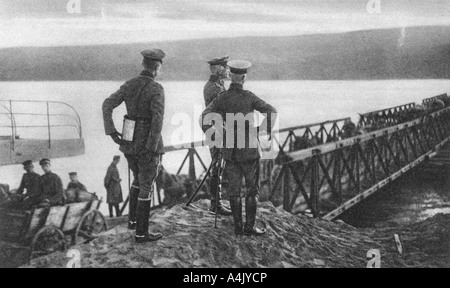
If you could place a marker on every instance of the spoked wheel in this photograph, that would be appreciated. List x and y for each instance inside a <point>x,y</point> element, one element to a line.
<point>46,241</point>
<point>90,226</point>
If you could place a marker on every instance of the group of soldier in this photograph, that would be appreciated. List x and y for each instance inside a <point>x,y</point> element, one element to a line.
<point>36,191</point>
<point>145,104</point>
<point>42,191</point>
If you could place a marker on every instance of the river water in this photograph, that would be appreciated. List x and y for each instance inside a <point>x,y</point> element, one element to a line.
<point>298,102</point>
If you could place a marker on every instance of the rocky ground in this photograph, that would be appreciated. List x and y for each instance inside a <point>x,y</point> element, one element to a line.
<point>190,240</point>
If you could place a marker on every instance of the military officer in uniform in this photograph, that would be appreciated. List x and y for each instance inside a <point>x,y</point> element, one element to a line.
<point>144,101</point>
<point>31,182</point>
<point>214,86</point>
<point>113,188</point>
<point>242,161</point>
<point>52,186</point>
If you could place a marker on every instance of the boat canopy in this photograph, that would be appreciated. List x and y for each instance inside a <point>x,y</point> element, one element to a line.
<point>32,130</point>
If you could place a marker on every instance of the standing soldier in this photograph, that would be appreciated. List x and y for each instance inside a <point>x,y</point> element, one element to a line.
<point>113,188</point>
<point>242,160</point>
<point>52,187</point>
<point>141,141</point>
<point>215,85</point>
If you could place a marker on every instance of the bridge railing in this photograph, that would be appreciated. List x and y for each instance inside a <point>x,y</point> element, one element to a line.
<point>316,133</point>
<point>52,116</point>
<point>428,101</point>
<point>329,179</point>
<point>384,117</point>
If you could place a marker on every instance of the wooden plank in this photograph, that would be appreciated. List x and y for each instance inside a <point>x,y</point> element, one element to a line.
<point>56,216</point>
<point>77,210</point>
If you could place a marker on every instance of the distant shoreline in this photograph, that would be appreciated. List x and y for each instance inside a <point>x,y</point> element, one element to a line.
<point>361,55</point>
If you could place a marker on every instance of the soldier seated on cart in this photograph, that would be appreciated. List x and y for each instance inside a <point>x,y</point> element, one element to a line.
<point>29,192</point>
<point>31,183</point>
<point>76,192</point>
<point>52,187</point>
<point>74,184</point>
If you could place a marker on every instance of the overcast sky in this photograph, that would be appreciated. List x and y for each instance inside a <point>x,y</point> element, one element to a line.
<point>48,23</point>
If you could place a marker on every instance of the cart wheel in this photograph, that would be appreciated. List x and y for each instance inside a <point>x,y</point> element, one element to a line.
<point>46,241</point>
<point>90,226</point>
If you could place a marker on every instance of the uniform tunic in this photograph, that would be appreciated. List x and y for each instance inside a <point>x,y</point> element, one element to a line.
<point>240,161</point>
<point>112,185</point>
<point>239,101</point>
<point>32,183</point>
<point>78,186</point>
<point>144,101</point>
<point>52,188</point>
<point>214,87</point>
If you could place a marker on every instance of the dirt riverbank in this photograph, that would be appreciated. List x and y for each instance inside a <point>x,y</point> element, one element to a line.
<point>190,240</point>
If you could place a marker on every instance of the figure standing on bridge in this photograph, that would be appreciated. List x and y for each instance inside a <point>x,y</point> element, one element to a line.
<point>52,186</point>
<point>242,161</point>
<point>113,188</point>
<point>141,140</point>
<point>214,86</point>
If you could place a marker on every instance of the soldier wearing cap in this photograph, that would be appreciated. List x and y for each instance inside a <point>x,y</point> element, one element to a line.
<point>52,186</point>
<point>144,101</point>
<point>242,160</point>
<point>113,188</point>
<point>215,85</point>
<point>31,182</point>
<point>74,184</point>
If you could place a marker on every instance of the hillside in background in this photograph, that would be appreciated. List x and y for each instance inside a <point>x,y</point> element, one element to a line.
<point>411,53</point>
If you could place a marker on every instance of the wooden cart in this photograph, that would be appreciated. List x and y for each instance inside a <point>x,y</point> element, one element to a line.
<point>46,230</point>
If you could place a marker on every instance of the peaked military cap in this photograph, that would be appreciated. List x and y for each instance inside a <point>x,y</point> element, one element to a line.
<point>239,66</point>
<point>219,60</point>
<point>154,54</point>
<point>26,163</point>
<point>44,161</point>
<point>73,174</point>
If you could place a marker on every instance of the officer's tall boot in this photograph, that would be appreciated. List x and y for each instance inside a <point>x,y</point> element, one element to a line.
<point>216,199</point>
<point>251,206</point>
<point>134,194</point>
<point>236,209</point>
<point>216,195</point>
<point>143,215</point>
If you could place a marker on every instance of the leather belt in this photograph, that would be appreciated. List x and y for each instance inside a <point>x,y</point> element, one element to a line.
<point>139,119</point>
